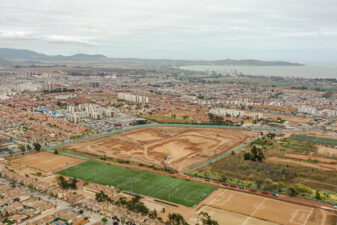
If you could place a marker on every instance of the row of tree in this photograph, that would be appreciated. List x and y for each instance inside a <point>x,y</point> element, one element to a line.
<point>135,205</point>
<point>36,146</point>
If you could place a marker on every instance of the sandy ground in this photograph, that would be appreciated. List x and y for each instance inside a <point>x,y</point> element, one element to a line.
<point>229,207</point>
<point>229,218</point>
<point>179,147</point>
<point>307,164</point>
<point>47,161</point>
<point>307,157</point>
<point>244,208</point>
<point>327,151</point>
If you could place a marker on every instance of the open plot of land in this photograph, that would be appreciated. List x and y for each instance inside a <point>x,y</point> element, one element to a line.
<point>228,218</point>
<point>180,191</point>
<point>179,147</point>
<point>314,139</point>
<point>307,157</point>
<point>253,209</point>
<point>47,161</point>
<point>326,151</point>
<point>321,166</point>
<point>289,118</point>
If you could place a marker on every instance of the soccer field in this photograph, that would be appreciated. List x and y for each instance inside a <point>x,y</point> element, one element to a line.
<point>167,188</point>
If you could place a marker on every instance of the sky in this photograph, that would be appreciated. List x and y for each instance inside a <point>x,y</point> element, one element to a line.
<point>293,30</point>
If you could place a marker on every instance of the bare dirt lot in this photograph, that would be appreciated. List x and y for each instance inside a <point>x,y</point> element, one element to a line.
<point>307,157</point>
<point>244,208</point>
<point>179,147</point>
<point>321,166</point>
<point>326,151</point>
<point>47,161</point>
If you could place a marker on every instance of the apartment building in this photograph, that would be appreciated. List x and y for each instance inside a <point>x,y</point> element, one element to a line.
<point>133,98</point>
<point>236,113</point>
<point>76,113</point>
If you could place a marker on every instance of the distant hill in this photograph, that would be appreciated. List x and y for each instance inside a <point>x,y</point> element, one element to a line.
<point>253,62</point>
<point>17,55</point>
<point>27,55</point>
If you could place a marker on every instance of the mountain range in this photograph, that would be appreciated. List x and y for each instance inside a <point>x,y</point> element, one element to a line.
<point>10,56</point>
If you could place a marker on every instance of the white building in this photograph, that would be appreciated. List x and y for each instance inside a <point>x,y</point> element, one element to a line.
<point>76,113</point>
<point>133,98</point>
<point>236,113</point>
<point>63,97</point>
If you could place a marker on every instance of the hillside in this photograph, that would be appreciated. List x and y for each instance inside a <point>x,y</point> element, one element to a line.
<point>19,55</point>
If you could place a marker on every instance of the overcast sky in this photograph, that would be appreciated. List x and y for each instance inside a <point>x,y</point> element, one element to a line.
<point>300,30</point>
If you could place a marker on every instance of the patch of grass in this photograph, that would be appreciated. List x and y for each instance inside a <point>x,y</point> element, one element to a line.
<point>314,139</point>
<point>166,119</point>
<point>167,188</point>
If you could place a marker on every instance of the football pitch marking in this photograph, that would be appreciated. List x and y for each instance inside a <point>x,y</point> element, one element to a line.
<point>163,187</point>
<point>300,215</point>
<point>257,208</point>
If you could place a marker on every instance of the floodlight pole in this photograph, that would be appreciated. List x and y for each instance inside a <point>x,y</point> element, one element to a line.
<point>95,173</point>
<point>170,194</point>
<point>170,187</point>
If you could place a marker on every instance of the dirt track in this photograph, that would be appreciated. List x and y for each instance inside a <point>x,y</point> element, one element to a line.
<point>179,147</point>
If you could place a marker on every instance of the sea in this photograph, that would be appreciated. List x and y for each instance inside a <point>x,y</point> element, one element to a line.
<point>307,71</point>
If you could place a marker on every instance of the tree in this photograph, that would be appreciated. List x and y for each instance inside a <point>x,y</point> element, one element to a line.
<point>318,195</point>
<point>37,146</point>
<point>176,219</point>
<point>72,183</point>
<point>28,148</point>
<point>64,184</point>
<point>256,154</point>
<point>104,220</point>
<point>102,197</point>
<point>206,219</point>
<point>292,191</point>
<point>22,148</point>
<point>56,152</point>
<point>153,214</point>
<point>246,156</point>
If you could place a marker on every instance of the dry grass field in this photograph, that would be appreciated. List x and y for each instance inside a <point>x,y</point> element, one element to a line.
<point>47,161</point>
<point>179,147</point>
<point>232,207</point>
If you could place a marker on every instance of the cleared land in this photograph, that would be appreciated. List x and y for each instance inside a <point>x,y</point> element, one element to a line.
<point>47,161</point>
<point>178,147</point>
<point>307,157</point>
<point>326,151</point>
<point>248,209</point>
<point>229,218</point>
<point>175,190</point>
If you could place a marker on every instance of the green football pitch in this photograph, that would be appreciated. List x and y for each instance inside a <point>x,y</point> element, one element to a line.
<point>167,188</point>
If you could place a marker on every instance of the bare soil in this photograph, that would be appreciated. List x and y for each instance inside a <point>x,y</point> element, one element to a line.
<point>178,147</point>
<point>47,161</point>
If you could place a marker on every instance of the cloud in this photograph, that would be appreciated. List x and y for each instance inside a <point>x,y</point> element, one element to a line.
<point>17,35</point>
<point>69,40</point>
<point>142,27</point>
<point>58,39</point>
